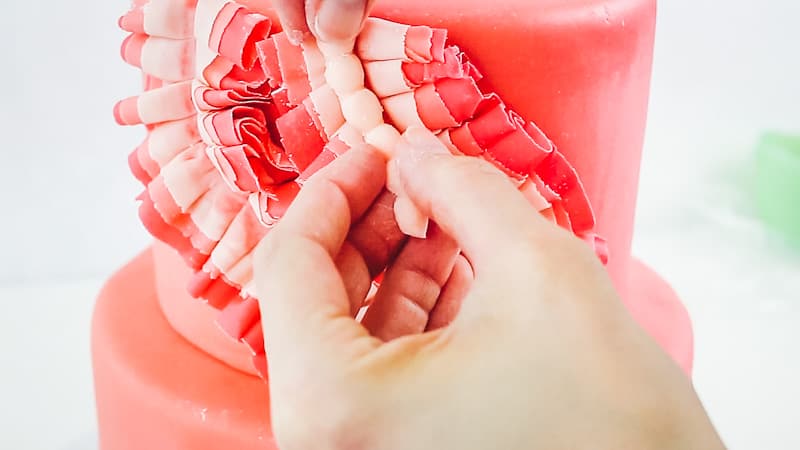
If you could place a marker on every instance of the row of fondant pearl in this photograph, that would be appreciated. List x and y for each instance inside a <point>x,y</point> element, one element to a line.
<point>362,110</point>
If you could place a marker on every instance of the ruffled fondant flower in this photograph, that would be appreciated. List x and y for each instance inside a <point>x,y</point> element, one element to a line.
<point>238,118</point>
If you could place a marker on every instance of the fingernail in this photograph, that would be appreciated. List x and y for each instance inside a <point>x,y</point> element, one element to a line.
<point>410,219</point>
<point>417,144</point>
<point>339,19</point>
<point>393,181</point>
<point>423,139</point>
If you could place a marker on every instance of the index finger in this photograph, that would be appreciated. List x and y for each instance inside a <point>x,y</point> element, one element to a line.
<point>334,199</point>
<point>301,292</point>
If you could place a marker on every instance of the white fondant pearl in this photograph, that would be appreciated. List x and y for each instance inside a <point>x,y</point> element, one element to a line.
<point>384,137</point>
<point>402,109</point>
<point>363,114</point>
<point>345,74</point>
<point>363,110</point>
<point>350,135</point>
<point>332,49</point>
<point>393,182</point>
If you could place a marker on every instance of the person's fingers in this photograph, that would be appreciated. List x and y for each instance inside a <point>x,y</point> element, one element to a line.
<point>335,198</point>
<point>377,236</point>
<point>453,293</point>
<point>372,243</point>
<point>411,286</point>
<point>355,276</point>
<point>305,307</point>
<point>336,20</point>
<point>471,200</point>
<point>292,15</point>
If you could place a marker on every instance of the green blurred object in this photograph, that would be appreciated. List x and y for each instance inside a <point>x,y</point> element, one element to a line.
<point>778,182</point>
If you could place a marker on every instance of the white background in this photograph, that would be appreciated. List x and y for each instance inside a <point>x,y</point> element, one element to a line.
<point>724,71</point>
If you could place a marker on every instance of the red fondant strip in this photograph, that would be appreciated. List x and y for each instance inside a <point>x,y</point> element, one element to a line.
<point>492,121</point>
<point>463,140</point>
<point>461,96</point>
<point>235,33</point>
<point>131,49</point>
<point>254,338</point>
<point>453,65</point>
<point>237,318</point>
<point>432,108</point>
<point>268,57</point>
<point>518,151</point>
<point>323,159</point>
<point>293,70</point>
<point>561,177</point>
<point>301,139</point>
<point>216,291</point>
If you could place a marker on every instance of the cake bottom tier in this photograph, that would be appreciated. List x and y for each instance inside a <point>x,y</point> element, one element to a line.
<point>155,390</point>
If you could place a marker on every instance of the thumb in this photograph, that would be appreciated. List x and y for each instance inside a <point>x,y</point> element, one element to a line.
<point>337,20</point>
<point>472,201</point>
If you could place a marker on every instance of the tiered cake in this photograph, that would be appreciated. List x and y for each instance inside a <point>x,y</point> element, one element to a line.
<point>238,118</point>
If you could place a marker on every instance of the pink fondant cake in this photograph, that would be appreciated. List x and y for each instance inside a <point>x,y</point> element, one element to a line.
<point>553,92</point>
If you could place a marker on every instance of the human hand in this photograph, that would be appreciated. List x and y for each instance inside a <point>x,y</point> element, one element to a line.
<point>541,355</point>
<point>328,20</point>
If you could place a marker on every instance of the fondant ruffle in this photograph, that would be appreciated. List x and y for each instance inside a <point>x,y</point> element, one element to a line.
<point>238,118</point>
